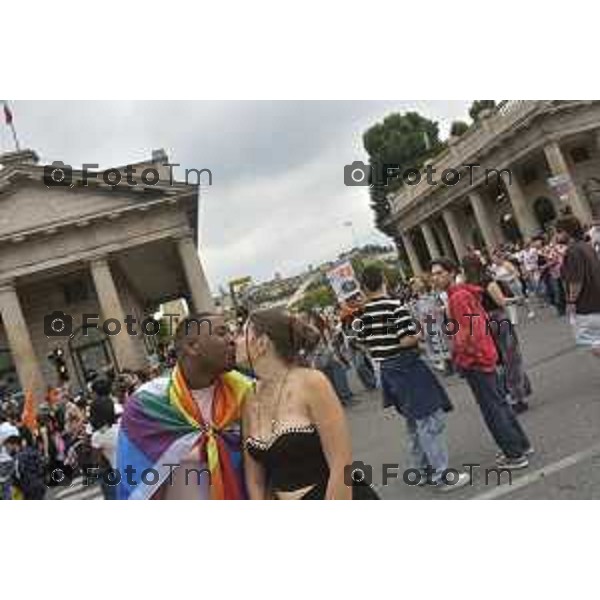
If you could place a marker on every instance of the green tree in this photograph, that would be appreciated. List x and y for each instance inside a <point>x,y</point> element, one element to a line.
<point>319,297</point>
<point>406,140</point>
<point>358,264</point>
<point>478,106</point>
<point>458,128</point>
<point>392,274</point>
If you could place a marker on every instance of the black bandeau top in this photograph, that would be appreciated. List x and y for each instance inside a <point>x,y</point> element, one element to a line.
<point>293,458</point>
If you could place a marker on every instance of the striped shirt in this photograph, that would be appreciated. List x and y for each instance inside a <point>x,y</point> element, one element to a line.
<point>383,322</point>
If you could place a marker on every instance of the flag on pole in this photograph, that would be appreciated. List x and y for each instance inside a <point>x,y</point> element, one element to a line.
<point>8,116</point>
<point>29,415</point>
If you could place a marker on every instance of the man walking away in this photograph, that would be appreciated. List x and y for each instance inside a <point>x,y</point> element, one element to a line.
<point>391,337</point>
<point>581,274</point>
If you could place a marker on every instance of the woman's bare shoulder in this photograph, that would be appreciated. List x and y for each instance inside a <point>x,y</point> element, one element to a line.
<point>250,403</point>
<point>310,377</point>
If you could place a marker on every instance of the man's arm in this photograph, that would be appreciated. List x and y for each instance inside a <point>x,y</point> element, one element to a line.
<point>329,418</point>
<point>573,273</point>
<point>465,339</point>
<point>408,334</point>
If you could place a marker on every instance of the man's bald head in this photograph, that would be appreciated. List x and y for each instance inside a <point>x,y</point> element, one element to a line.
<point>192,325</point>
<point>203,343</point>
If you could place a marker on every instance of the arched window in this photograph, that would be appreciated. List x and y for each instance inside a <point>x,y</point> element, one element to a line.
<point>91,352</point>
<point>544,211</point>
<point>509,228</point>
<point>476,238</point>
<point>420,247</point>
<point>591,189</point>
<point>9,381</point>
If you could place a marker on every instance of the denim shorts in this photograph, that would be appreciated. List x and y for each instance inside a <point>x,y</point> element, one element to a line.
<point>587,330</point>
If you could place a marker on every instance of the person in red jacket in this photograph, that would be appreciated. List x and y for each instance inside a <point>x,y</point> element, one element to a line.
<point>475,356</point>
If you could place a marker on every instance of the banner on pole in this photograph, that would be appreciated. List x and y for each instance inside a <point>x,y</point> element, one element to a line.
<point>343,281</point>
<point>562,185</point>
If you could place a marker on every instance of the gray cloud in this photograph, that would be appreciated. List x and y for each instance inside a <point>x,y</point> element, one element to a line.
<point>277,202</point>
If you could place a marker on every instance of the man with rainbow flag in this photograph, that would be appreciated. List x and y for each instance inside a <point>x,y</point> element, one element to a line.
<point>180,436</point>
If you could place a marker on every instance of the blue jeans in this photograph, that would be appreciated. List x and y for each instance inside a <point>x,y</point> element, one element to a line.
<point>6,491</point>
<point>365,372</point>
<point>497,413</point>
<point>108,491</point>
<point>336,374</point>
<point>556,295</point>
<point>427,443</point>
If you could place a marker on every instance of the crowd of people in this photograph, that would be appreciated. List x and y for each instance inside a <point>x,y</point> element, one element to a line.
<point>517,279</point>
<point>46,445</point>
<point>258,403</point>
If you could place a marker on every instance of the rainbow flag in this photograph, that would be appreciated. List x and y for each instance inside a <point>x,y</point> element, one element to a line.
<point>162,424</point>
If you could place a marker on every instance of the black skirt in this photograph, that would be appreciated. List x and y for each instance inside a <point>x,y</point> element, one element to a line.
<point>360,491</point>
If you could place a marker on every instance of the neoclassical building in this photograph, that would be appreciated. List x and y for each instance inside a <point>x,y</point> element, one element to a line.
<point>84,249</point>
<point>552,150</point>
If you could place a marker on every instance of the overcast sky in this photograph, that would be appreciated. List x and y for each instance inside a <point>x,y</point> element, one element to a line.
<point>278,201</point>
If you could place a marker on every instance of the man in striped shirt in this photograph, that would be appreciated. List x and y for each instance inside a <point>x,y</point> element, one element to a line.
<point>391,337</point>
<point>386,326</point>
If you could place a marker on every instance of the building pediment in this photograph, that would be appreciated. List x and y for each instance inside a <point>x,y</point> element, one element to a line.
<point>29,206</point>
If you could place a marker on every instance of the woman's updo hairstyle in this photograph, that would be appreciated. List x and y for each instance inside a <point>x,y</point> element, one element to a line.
<point>291,337</point>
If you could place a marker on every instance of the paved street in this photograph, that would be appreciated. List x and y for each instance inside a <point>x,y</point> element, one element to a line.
<point>563,424</point>
<point>76,491</point>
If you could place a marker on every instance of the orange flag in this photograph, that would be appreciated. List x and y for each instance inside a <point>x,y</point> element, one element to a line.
<point>29,416</point>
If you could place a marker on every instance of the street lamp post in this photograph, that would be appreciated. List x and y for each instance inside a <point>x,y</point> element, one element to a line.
<point>350,225</point>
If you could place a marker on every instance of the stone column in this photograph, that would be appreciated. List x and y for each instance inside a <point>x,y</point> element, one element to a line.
<point>129,354</point>
<point>432,246</point>
<point>447,249</point>
<point>523,211</point>
<point>413,258</point>
<point>454,231</point>
<point>21,347</point>
<point>194,273</point>
<point>484,222</point>
<point>558,165</point>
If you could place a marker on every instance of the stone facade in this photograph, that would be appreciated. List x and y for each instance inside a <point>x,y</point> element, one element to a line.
<point>95,249</point>
<point>552,150</point>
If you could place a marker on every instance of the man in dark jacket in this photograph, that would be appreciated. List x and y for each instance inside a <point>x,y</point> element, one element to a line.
<point>581,274</point>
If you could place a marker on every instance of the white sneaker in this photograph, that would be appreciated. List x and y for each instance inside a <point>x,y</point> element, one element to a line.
<point>528,452</point>
<point>444,488</point>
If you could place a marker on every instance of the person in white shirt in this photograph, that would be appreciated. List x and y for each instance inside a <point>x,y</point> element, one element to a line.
<point>530,258</point>
<point>104,440</point>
